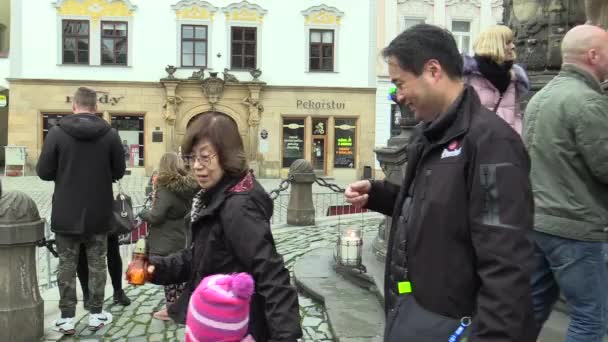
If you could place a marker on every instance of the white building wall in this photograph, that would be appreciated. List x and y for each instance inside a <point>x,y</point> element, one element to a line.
<point>154,43</point>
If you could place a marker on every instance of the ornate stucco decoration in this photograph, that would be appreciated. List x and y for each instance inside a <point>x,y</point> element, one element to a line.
<point>244,11</point>
<point>194,9</point>
<point>213,88</point>
<point>322,14</point>
<point>95,8</point>
<point>430,2</point>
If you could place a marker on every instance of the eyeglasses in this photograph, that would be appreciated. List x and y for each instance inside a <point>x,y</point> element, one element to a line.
<point>190,159</point>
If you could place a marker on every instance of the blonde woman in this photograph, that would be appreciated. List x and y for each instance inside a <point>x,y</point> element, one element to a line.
<point>174,190</point>
<point>499,82</point>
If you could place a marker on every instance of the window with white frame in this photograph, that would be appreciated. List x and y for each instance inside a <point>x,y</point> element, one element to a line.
<point>409,22</point>
<point>462,34</point>
<point>194,46</point>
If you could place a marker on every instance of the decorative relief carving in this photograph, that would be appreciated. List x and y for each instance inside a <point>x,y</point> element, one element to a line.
<point>244,11</point>
<point>323,15</point>
<point>213,88</point>
<point>463,10</point>
<point>415,9</point>
<point>194,9</point>
<point>95,8</point>
<point>539,27</point>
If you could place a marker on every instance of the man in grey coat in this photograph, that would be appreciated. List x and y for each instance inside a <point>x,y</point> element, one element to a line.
<point>566,133</point>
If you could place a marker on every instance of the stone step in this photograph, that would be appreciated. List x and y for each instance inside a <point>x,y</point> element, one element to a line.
<point>354,313</point>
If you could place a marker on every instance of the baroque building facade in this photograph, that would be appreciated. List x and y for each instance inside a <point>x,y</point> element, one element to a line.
<point>297,77</point>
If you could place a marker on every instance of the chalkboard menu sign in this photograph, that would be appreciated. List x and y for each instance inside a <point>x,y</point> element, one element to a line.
<point>293,140</point>
<point>345,143</point>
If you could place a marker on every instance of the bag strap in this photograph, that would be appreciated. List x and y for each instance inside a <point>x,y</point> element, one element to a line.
<point>120,190</point>
<point>497,103</point>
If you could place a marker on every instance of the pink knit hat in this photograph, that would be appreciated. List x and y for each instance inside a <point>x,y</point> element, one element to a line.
<point>219,309</point>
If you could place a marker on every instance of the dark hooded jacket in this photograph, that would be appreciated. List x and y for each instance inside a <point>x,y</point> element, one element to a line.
<point>232,234</point>
<point>83,155</point>
<point>172,202</point>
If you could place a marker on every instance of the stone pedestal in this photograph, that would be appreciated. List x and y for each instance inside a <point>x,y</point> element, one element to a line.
<point>21,307</point>
<point>392,160</point>
<point>301,210</point>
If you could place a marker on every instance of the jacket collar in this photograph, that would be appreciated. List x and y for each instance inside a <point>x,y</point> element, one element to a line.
<point>571,70</point>
<point>455,121</point>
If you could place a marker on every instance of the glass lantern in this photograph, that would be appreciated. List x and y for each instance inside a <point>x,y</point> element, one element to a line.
<point>349,247</point>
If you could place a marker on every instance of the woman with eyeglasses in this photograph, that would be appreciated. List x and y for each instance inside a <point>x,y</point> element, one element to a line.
<point>173,192</point>
<point>230,230</point>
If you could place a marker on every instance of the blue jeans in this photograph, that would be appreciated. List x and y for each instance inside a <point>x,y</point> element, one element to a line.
<point>576,268</point>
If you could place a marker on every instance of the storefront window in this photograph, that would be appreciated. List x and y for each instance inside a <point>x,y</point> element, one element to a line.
<point>293,140</point>
<point>131,131</point>
<point>50,120</point>
<point>345,143</point>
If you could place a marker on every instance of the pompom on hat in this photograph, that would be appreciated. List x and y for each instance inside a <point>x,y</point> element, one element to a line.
<point>219,309</point>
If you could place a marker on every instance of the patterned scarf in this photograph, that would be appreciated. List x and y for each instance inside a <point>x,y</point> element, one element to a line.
<point>197,204</point>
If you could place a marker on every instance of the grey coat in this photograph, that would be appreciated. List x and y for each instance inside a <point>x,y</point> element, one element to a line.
<point>172,203</point>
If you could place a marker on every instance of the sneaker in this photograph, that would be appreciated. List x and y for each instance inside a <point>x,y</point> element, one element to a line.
<point>65,326</point>
<point>121,298</point>
<point>99,320</point>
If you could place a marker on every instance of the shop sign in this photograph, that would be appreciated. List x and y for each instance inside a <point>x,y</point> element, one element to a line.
<point>264,134</point>
<point>103,99</point>
<point>323,104</point>
<point>2,101</point>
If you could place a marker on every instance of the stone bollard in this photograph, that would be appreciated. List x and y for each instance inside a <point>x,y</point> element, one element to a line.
<point>21,307</point>
<point>301,211</point>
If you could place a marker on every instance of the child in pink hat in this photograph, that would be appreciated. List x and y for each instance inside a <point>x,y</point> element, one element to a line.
<point>219,309</point>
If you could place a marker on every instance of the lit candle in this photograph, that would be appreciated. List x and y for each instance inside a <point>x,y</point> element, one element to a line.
<point>349,247</point>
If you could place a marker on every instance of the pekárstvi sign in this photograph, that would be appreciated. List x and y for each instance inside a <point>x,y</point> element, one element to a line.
<point>103,99</point>
<point>322,104</point>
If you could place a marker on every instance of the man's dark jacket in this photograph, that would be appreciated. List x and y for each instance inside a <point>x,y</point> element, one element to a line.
<point>465,228</point>
<point>233,235</point>
<point>83,155</point>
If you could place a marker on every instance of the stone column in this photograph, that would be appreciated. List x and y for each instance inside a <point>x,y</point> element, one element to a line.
<point>171,105</point>
<point>21,307</point>
<point>300,210</point>
<point>255,109</point>
<point>539,27</point>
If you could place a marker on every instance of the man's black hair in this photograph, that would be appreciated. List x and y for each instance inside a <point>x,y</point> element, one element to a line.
<point>420,43</point>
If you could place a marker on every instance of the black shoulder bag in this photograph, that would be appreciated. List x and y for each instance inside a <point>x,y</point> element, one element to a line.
<point>123,221</point>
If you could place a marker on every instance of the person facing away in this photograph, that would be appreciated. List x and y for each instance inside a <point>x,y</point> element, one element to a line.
<point>230,232</point>
<point>83,155</point>
<point>566,133</point>
<point>175,189</point>
<point>500,84</point>
<point>458,242</point>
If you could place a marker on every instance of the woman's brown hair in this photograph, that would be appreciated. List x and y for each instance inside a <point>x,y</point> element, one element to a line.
<point>170,163</point>
<point>221,131</point>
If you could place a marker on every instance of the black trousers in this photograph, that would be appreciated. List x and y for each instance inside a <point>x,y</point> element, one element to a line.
<point>114,266</point>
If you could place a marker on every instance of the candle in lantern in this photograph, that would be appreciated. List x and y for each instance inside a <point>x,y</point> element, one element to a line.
<point>349,247</point>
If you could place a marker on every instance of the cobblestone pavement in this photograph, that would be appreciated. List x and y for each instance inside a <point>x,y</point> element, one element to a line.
<point>135,323</point>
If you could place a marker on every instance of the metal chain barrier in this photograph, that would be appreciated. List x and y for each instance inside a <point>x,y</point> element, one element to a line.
<point>49,245</point>
<point>284,185</point>
<point>324,183</point>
